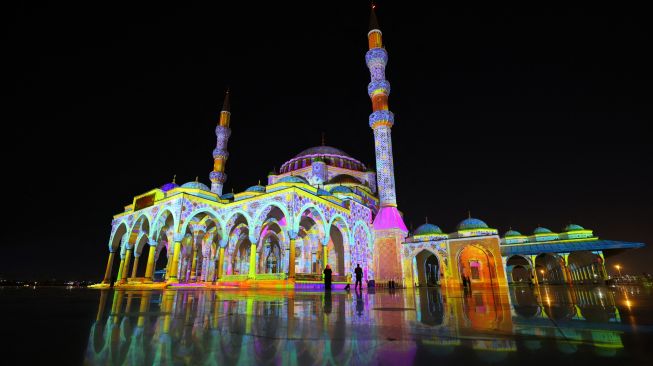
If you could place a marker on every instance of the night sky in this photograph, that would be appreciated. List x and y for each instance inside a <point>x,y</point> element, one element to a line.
<point>523,116</point>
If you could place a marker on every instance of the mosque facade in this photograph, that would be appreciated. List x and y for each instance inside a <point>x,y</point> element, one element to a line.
<point>324,207</point>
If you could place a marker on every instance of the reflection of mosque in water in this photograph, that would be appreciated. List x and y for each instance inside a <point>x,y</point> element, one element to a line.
<point>205,327</point>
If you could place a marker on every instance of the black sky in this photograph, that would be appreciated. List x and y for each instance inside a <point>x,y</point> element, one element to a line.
<point>524,116</point>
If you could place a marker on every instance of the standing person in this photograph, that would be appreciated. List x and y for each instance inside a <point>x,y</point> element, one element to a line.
<point>359,277</point>
<point>327,278</point>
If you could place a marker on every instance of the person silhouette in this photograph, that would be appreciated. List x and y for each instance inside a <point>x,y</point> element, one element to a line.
<point>327,278</point>
<point>359,277</point>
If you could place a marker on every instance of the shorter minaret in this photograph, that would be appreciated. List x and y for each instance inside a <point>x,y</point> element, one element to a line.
<point>220,154</point>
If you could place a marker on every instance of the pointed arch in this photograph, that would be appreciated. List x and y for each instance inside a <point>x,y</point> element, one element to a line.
<point>314,210</point>
<point>164,219</point>
<point>141,225</point>
<point>116,238</point>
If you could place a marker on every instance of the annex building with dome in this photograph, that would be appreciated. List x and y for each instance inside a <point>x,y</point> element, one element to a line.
<point>325,207</point>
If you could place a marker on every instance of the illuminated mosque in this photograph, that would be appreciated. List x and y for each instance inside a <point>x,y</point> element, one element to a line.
<point>326,207</point>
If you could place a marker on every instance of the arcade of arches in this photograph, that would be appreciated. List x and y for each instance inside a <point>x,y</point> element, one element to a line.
<point>581,267</point>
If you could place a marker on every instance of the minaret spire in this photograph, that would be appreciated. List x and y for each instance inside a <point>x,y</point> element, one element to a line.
<point>220,154</point>
<point>381,120</point>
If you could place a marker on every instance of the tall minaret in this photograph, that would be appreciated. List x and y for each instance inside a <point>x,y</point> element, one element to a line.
<point>220,154</point>
<point>389,227</point>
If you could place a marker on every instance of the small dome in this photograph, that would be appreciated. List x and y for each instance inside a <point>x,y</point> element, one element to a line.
<point>341,189</point>
<point>542,230</point>
<point>292,179</point>
<point>169,186</point>
<point>344,178</point>
<point>511,233</point>
<point>195,185</point>
<point>573,227</point>
<point>427,229</point>
<point>256,188</point>
<point>227,196</point>
<point>471,223</point>
<point>323,192</point>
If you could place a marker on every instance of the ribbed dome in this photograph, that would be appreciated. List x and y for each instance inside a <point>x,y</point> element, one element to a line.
<point>541,230</point>
<point>292,179</point>
<point>256,188</point>
<point>471,223</point>
<point>169,186</point>
<point>343,178</point>
<point>573,227</point>
<point>195,185</point>
<point>511,233</point>
<point>322,150</point>
<point>341,189</point>
<point>427,229</point>
<point>329,155</point>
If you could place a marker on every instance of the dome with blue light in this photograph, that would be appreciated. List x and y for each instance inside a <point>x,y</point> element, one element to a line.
<point>323,192</point>
<point>341,189</point>
<point>257,188</point>
<point>471,223</point>
<point>227,196</point>
<point>542,230</point>
<point>195,185</point>
<point>512,233</point>
<point>169,186</point>
<point>292,179</point>
<point>428,229</point>
<point>573,227</point>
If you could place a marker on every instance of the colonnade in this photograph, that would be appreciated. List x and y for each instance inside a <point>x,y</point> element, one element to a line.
<point>128,271</point>
<point>566,271</point>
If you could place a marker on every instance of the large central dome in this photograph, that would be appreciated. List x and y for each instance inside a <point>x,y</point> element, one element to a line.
<point>322,150</point>
<point>328,154</point>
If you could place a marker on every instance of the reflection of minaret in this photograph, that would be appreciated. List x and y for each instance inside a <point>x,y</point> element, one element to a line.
<point>389,227</point>
<point>220,154</point>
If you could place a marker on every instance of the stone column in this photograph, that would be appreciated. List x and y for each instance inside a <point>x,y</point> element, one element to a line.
<point>220,263</point>
<point>135,266</point>
<point>149,271</point>
<point>291,254</point>
<point>121,266</point>
<point>107,272</point>
<point>125,269</point>
<point>193,267</point>
<point>175,259</point>
<point>252,261</point>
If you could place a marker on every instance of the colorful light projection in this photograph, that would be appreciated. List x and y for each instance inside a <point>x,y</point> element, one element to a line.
<point>256,327</point>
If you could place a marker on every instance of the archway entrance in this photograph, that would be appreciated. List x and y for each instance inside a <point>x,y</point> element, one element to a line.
<point>478,265</point>
<point>271,253</point>
<point>335,251</point>
<point>241,258</point>
<point>427,267</point>
<point>518,270</point>
<point>550,269</point>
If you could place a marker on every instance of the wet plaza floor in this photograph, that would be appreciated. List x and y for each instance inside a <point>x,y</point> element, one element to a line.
<point>545,325</point>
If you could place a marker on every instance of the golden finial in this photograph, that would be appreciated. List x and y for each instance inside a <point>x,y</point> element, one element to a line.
<point>259,182</point>
<point>197,179</point>
<point>426,219</point>
<point>469,214</point>
<point>174,179</point>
